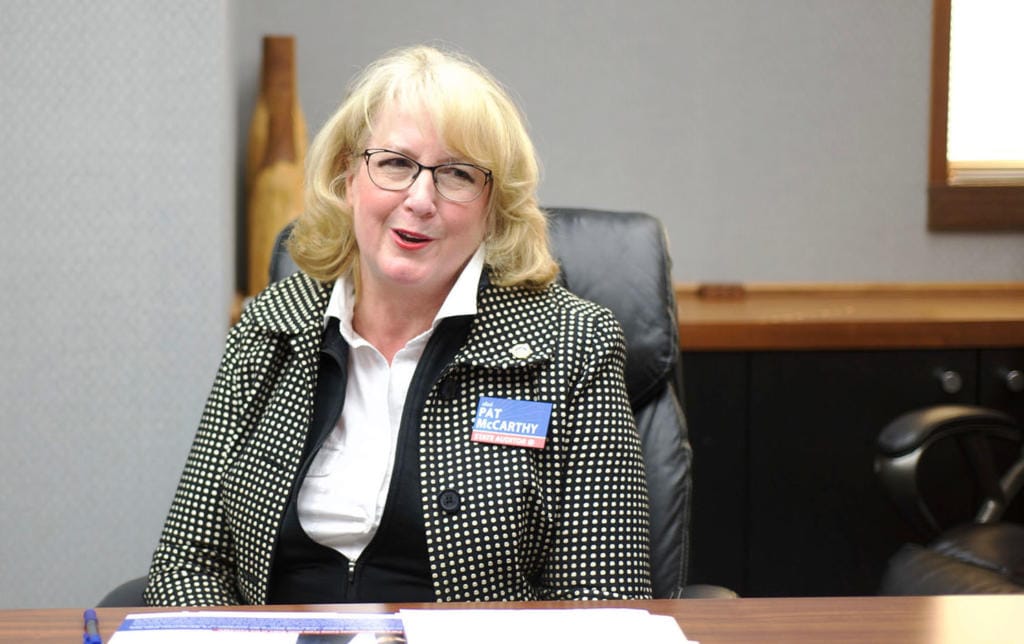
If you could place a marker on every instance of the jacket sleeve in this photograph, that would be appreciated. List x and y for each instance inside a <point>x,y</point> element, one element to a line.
<point>193,564</point>
<point>601,548</point>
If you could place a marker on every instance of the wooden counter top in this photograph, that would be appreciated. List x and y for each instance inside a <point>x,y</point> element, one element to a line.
<point>770,316</point>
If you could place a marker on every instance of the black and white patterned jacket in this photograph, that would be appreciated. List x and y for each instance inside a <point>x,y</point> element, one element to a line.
<point>569,521</point>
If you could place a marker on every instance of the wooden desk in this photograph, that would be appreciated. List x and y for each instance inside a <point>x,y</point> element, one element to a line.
<point>905,620</point>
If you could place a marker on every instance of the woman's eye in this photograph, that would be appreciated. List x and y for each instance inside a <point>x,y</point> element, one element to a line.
<point>458,173</point>
<point>396,163</point>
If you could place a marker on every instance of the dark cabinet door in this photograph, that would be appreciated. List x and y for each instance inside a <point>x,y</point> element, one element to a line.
<point>818,523</point>
<point>715,402</point>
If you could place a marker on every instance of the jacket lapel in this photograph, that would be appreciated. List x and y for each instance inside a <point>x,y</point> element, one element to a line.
<point>287,322</point>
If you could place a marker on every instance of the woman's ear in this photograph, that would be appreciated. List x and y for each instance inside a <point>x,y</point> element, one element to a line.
<point>491,229</point>
<point>347,196</point>
<point>345,171</point>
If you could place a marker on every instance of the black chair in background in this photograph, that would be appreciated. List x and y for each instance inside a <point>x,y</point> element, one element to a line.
<point>971,549</point>
<point>621,261</point>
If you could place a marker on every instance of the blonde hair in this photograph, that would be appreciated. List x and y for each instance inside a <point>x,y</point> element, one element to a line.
<point>475,118</point>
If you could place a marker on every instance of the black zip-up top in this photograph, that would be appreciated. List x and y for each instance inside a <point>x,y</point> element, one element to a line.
<point>394,566</point>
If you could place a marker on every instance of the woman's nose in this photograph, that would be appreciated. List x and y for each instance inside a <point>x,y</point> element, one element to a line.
<point>423,193</point>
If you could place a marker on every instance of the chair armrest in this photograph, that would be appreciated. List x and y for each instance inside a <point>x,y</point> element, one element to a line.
<point>903,442</point>
<point>916,429</point>
<point>127,594</point>
<point>704,591</point>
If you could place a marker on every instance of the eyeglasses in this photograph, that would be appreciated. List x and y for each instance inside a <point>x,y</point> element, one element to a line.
<point>390,170</point>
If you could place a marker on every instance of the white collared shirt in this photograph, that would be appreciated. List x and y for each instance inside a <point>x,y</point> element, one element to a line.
<point>342,498</point>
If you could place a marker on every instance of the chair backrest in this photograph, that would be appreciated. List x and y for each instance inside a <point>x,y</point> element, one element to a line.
<point>621,261</point>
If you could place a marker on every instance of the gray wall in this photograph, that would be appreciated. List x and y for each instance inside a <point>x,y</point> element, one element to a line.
<point>115,158</point>
<point>778,140</point>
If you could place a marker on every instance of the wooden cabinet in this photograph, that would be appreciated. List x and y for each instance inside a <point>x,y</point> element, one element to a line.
<point>785,498</point>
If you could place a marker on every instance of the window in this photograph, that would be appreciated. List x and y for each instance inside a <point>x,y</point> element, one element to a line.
<point>972,188</point>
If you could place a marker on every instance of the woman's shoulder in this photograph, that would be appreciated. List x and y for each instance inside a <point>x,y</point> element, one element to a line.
<point>551,302</point>
<point>290,305</point>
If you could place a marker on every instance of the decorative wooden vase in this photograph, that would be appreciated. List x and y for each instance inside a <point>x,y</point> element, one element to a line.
<point>274,164</point>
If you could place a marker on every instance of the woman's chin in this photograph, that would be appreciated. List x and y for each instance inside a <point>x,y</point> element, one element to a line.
<point>405,278</point>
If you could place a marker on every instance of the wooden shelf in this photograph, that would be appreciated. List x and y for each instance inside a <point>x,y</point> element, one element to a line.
<point>771,316</point>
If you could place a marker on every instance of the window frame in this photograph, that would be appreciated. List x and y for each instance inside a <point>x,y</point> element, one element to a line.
<point>960,207</point>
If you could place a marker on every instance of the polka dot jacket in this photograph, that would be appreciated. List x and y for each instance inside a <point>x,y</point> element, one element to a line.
<point>569,521</point>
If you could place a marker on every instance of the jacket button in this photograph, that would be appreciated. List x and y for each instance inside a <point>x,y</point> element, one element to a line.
<point>449,500</point>
<point>449,389</point>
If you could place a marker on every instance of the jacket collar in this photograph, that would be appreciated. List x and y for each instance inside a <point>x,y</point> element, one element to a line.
<point>292,306</point>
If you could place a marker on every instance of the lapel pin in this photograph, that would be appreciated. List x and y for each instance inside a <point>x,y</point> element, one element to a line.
<point>521,351</point>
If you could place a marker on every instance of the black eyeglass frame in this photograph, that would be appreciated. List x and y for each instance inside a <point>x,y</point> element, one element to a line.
<point>488,175</point>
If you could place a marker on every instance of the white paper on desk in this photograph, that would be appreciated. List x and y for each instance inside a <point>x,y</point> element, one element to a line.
<point>228,627</point>
<point>539,626</point>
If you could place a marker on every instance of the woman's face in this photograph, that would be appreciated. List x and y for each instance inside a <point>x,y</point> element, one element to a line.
<point>412,241</point>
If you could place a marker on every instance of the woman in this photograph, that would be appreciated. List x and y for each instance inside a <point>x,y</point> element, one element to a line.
<point>421,414</point>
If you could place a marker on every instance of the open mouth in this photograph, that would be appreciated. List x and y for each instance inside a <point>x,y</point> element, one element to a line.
<point>411,238</point>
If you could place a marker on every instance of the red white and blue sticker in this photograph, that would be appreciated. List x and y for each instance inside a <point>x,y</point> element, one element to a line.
<point>503,421</point>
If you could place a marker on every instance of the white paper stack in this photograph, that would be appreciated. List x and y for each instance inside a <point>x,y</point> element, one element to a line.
<point>540,626</point>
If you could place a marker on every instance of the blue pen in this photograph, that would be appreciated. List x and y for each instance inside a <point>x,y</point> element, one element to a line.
<point>91,634</point>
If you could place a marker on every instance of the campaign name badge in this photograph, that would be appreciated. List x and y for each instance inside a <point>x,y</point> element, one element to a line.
<point>521,423</point>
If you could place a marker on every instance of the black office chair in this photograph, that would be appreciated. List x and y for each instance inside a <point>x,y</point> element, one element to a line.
<point>965,555</point>
<point>621,260</point>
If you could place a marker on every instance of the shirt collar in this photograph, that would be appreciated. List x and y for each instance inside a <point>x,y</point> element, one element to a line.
<point>461,299</point>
